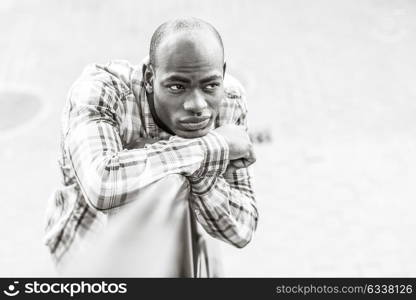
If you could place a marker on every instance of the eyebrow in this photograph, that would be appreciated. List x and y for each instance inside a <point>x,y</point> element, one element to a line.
<point>187,80</point>
<point>177,78</point>
<point>211,78</point>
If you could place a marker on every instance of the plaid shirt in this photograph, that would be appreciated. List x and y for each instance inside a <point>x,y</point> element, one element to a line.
<point>106,111</point>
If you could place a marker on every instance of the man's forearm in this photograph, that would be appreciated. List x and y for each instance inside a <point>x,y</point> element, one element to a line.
<point>226,208</point>
<point>110,178</point>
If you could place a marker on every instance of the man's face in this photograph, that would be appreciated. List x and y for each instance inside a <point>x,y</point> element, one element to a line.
<point>188,83</point>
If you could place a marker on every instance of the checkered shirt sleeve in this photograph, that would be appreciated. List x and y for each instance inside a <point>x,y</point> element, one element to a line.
<point>109,175</point>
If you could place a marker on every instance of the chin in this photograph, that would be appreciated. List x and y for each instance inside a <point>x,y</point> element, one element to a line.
<point>192,134</point>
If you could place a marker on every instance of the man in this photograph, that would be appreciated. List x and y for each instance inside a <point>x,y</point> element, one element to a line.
<point>127,128</point>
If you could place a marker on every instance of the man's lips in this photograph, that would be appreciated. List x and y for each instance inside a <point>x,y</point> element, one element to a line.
<point>194,123</point>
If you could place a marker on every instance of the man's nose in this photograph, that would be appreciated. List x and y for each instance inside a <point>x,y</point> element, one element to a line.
<point>195,103</point>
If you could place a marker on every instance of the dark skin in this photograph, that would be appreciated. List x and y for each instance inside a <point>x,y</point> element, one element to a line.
<point>187,88</point>
<point>187,83</point>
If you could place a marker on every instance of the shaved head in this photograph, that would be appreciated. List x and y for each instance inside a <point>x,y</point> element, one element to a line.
<point>188,26</point>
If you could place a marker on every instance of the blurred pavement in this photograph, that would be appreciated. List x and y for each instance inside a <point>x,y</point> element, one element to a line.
<point>333,81</point>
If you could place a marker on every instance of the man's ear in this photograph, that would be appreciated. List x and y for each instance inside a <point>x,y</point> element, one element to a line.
<point>223,69</point>
<point>148,76</point>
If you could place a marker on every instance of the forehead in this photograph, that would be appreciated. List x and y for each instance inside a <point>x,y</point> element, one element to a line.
<point>190,54</point>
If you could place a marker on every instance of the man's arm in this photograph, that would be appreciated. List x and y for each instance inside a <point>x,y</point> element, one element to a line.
<point>109,175</point>
<point>226,207</point>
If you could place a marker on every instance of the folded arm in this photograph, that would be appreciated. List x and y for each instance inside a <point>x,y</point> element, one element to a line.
<point>226,207</point>
<point>109,175</point>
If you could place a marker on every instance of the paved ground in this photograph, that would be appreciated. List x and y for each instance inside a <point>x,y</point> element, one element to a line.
<point>333,81</point>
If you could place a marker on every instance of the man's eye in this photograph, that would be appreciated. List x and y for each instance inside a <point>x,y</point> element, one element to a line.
<point>212,86</point>
<point>176,87</point>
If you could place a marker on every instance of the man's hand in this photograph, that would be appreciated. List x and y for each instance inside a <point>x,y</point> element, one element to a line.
<point>241,153</point>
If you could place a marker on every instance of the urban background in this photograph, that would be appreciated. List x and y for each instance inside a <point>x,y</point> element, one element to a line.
<point>332,103</point>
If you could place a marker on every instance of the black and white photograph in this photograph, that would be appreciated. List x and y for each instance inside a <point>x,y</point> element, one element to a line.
<point>207,139</point>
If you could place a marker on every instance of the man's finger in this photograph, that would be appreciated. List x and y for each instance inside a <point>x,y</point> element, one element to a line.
<point>250,157</point>
<point>242,162</point>
<point>238,163</point>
